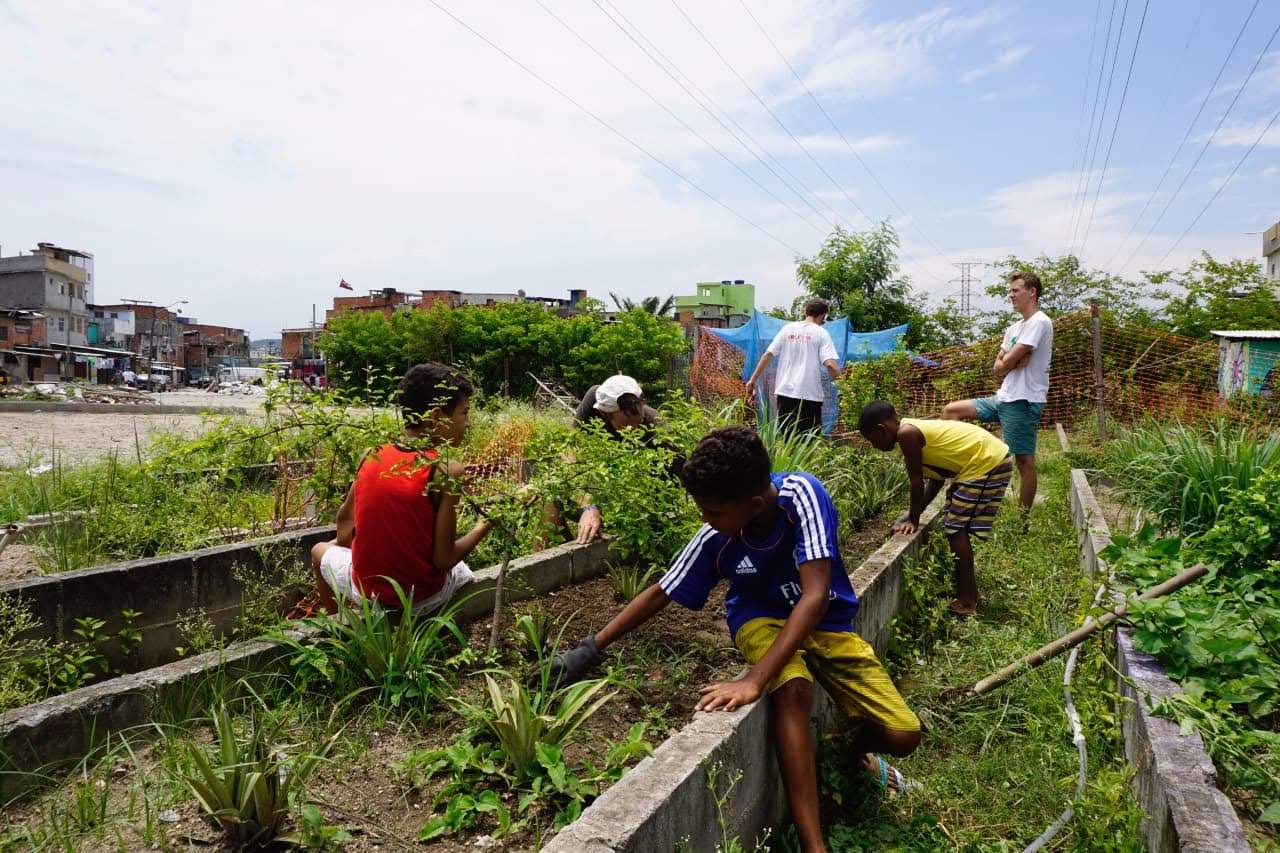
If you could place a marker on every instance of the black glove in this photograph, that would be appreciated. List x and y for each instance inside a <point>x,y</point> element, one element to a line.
<point>572,666</point>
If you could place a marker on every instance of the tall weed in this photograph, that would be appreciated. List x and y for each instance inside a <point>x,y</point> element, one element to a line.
<point>1183,476</point>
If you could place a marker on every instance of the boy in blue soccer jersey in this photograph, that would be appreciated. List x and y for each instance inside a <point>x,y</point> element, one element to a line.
<point>790,609</point>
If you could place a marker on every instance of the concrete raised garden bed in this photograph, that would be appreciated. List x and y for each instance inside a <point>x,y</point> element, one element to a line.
<point>1174,778</point>
<point>666,801</point>
<point>41,738</point>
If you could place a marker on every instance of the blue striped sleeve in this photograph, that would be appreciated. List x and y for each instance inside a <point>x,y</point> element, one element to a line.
<point>816,523</point>
<point>692,574</point>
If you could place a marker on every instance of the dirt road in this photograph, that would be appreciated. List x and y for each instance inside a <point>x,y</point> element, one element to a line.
<point>30,438</point>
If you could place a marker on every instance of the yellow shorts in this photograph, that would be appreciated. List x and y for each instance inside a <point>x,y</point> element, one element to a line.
<point>843,663</point>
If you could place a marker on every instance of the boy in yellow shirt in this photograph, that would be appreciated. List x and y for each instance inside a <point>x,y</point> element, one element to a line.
<point>976,462</point>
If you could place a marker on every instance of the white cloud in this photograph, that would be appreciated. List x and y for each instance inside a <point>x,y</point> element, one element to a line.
<point>1006,60</point>
<point>869,60</point>
<point>1269,172</point>
<point>1246,133</point>
<point>246,157</point>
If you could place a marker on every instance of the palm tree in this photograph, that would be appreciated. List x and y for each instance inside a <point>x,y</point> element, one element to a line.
<point>650,304</point>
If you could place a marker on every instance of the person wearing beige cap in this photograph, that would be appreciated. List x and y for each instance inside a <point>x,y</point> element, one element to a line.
<point>618,403</point>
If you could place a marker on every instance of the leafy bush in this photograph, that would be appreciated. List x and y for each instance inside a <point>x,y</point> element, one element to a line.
<point>34,669</point>
<point>500,346</point>
<point>400,657</point>
<point>1221,637</point>
<point>882,378</point>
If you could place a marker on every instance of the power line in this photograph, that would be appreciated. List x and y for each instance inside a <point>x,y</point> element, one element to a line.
<point>1076,154</point>
<point>1115,126</point>
<point>1169,202</point>
<point>837,129</point>
<point>770,111</point>
<point>1093,114</point>
<point>1179,65</point>
<point>673,115</point>
<point>535,75</point>
<point>1219,190</point>
<point>966,282</point>
<point>702,103</point>
<point>1102,121</point>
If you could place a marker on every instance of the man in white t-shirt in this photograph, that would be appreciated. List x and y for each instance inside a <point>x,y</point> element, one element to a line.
<point>1023,370</point>
<point>803,349</point>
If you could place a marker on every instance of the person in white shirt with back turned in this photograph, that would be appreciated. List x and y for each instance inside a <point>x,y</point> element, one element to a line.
<point>1023,370</point>
<point>803,350</point>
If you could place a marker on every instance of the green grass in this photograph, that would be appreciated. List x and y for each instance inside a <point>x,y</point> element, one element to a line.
<point>996,770</point>
<point>1183,476</point>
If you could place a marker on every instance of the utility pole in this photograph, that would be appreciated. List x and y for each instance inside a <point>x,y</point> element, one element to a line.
<point>966,282</point>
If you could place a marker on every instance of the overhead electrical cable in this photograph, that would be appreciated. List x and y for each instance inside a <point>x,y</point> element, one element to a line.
<point>605,124</point>
<point>604,58</point>
<point>1115,126</point>
<point>770,111</point>
<point>1169,202</point>
<point>703,102</point>
<point>1076,146</point>
<point>1102,123</point>
<point>1220,188</point>
<point>1179,65</point>
<point>835,183</point>
<point>1081,181</point>
<point>837,129</point>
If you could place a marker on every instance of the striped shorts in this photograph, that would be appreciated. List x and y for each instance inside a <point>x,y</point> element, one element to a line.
<point>972,504</point>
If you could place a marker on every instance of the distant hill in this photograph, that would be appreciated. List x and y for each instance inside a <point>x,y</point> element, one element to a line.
<point>265,345</point>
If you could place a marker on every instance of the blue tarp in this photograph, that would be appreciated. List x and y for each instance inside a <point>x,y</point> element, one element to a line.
<point>754,338</point>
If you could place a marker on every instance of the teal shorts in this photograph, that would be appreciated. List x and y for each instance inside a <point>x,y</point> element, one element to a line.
<point>1019,422</point>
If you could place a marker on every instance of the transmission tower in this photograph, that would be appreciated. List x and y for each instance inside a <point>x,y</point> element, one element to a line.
<point>966,282</point>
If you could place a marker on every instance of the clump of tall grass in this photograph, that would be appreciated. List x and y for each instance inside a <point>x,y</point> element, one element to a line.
<point>1183,476</point>
<point>861,481</point>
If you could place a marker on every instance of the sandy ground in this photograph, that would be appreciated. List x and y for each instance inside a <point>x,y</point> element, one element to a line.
<point>18,562</point>
<point>27,438</point>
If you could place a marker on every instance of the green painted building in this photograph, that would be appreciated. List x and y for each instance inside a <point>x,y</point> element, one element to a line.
<point>1247,363</point>
<point>723,304</point>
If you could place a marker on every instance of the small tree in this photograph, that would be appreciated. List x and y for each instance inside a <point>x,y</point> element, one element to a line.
<point>650,304</point>
<point>1213,294</point>
<point>858,272</point>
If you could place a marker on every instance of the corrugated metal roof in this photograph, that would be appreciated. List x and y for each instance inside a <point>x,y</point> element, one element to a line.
<point>1265,335</point>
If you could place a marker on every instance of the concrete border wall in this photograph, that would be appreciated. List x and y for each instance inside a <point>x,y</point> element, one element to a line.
<point>161,589</point>
<point>1173,775</point>
<point>45,737</point>
<point>113,408</point>
<point>665,800</point>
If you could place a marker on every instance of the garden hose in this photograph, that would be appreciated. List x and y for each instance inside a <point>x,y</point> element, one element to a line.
<point>1049,651</point>
<point>1077,737</point>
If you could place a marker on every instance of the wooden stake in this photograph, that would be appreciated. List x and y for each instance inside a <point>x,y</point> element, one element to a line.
<point>1099,386</point>
<point>1079,635</point>
<point>497,603</point>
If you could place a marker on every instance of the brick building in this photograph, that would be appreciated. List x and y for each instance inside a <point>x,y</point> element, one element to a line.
<point>207,347</point>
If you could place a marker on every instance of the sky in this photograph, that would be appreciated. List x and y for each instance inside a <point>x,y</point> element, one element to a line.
<point>246,156</point>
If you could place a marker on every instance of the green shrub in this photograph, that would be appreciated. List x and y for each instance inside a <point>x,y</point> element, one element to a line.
<point>1220,638</point>
<point>399,657</point>
<point>1182,476</point>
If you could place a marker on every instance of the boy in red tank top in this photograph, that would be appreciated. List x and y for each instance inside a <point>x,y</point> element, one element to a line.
<point>398,523</point>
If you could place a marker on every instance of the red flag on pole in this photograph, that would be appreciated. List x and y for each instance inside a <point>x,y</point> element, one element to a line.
<point>343,284</point>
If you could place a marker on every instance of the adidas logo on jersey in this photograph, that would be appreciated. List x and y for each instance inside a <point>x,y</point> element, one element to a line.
<point>746,567</point>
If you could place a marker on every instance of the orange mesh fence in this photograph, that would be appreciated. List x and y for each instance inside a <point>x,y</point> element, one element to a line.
<point>716,372</point>
<point>1145,372</point>
<point>503,455</point>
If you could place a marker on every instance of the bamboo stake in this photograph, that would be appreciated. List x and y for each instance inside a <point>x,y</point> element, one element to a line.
<point>1079,635</point>
<point>497,602</point>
